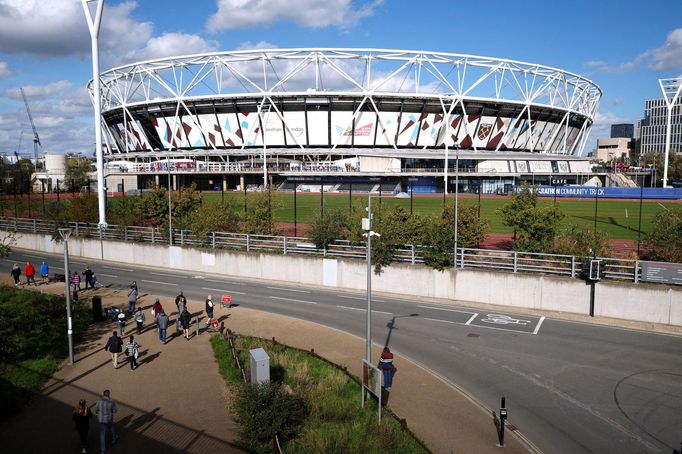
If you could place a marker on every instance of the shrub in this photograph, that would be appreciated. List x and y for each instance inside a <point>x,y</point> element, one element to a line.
<point>263,410</point>
<point>665,240</point>
<point>327,227</point>
<point>579,240</point>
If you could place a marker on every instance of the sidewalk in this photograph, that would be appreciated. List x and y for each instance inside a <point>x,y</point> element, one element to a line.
<point>176,400</point>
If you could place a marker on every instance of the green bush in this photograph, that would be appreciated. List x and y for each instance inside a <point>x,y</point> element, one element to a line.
<point>265,410</point>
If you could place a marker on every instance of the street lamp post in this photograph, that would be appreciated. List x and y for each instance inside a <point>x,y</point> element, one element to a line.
<point>367,227</point>
<point>65,233</point>
<point>456,203</point>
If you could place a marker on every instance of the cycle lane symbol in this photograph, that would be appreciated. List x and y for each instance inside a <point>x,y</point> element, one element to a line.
<point>499,319</point>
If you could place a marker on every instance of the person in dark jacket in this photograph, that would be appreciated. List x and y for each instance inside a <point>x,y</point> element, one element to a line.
<point>82,416</point>
<point>87,274</point>
<point>162,323</point>
<point>132,298</point>
<point>15,273</point>
<point>185,318</point>
<point>386,366</point>
<point>114,346</point>
<point>209,310</point>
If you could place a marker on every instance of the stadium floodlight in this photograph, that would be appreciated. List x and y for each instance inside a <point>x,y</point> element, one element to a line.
<point>671,93</point>
<point>65,234</point>
<point>94,27</point>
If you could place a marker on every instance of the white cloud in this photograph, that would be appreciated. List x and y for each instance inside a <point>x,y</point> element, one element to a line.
<point>170,44</point>
<point>669,55</point>
<point>248,45</point>
<point>4,69</point>
<point>665,58</point>
<point>233,14</point>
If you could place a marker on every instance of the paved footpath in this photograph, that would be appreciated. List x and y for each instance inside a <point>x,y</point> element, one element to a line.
<point>176,400</point>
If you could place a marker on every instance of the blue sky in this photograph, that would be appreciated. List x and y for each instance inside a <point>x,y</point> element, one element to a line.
<point>624,46</point>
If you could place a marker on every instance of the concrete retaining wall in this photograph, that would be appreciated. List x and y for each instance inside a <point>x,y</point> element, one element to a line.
<point>641,302</point>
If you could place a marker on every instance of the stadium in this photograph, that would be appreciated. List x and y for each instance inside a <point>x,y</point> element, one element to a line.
<point>336,118</point>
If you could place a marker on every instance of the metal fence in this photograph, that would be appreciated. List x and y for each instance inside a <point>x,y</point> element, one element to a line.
<point>512,261</point>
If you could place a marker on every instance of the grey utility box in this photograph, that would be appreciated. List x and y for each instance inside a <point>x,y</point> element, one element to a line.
<point>260,366</point>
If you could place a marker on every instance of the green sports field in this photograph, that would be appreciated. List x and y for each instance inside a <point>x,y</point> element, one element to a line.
<point>620,219</point>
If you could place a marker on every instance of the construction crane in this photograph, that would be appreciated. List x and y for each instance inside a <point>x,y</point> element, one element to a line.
<point>36,139</point>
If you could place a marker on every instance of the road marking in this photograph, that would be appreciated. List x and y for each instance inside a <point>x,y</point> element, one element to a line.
<point>498,319</point>
<point>382,312</point>
<point>447,310</point>
<point>157,282</point>
<point>167,275</point>
<point>107,275</point>
<point>224,282</point>
<point>222,290</point>
<point>291,299</point>
<point>471,319</point>
<point>199,277</point>
<point>34,256</point>
<point>118,269</point>
<point>360,298</point>
<point>443,321</point>
<point>537,328</point>
<point>352,308</point>
<point>288,289</point>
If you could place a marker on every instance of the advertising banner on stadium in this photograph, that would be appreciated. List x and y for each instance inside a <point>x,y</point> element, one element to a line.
<point>612,193</point>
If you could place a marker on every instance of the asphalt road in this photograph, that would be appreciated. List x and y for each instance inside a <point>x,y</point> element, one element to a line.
<point>570,387</point>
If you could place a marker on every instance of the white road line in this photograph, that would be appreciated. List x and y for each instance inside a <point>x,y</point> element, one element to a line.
<point>107,275</point>
<point>537,328</point>
<point>291,299</point>
<point>168,275</point>
<point>471,319</point>
<point>382,312</point>
<point>447,310</point>
<point>34,256</point>
<point>118,269</point>
<point>502,329</point>
<point>351,308</point>
<point>223,282</point>
<point>288,289</point>
<point>222,290</point>
<point>444,321</point>
<point>157,282</point>
<point>360,298</point>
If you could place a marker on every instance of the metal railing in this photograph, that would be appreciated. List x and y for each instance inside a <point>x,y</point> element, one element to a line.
<point>499,260</point>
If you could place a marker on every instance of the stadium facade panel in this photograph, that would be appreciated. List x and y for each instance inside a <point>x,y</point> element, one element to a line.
<point>340,102</point>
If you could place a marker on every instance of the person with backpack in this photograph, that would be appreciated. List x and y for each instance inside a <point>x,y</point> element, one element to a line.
<point>139,320</point>
<point>121,320</point>
<point>82,416</point>
<point>132,298</point>
<point>132,352</point>
<point>180,302</point>
<point>209,310</point>
<point>114,346</point>
<point>105,409</point>
<point>185,318</point>
<point>386,366</point>
<point>16,273</point>
<point>162,323</point>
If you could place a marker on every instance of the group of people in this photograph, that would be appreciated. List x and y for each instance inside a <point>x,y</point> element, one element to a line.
<point>89,278</point>
<point>105,408</point>
<point>30,273</point>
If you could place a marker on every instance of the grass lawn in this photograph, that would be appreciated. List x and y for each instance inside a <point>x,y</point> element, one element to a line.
<point>620,219</point>
<point>336,421</point>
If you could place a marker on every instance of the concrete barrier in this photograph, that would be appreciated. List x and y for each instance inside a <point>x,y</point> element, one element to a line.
<point>625,300</point>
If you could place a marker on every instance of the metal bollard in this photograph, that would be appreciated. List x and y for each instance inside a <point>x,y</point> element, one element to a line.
<point>499,423</point>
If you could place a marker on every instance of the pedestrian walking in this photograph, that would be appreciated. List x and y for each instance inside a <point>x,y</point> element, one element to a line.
<point>139,320</point>
<point>75,281</point>
<point>185,318</point>
<point>121,320</point>
<point>132,352</point>
<point>386,366</point>
<point>87,275</point>
<point>180,302</point>
<point>162,322</point>
<point>45,273</point>
<point>114,346</point>
<point>209,310</point>
<point>82,416</point>
<point>156,310</point>
<point>105,409</point>
<point>30,272</point>
<point>132,298</point>
<point>16,273</point>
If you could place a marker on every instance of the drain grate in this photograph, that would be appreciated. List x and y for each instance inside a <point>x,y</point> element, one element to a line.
<point>473,335</point>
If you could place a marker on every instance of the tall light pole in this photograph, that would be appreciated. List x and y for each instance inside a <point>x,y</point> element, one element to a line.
<point>170,212</point>
<point>94,26</point>
<point>65,233</point>
<point>367,227</point>
<point>456,201</point>
<point>671,89</point>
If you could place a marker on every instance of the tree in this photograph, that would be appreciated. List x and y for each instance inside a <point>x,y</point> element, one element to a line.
<point>77,174</point>
<point>258,219</point>
<point>438,235</point>
<point>580,240</point>
<point>664,243</point>
<point>326,227</point>
<point>396,227</point>
<point>124,210</point>
<point>7,240</point>
<point>538,226</point>
<point>83,208</point>
<point>674,166</point>
<point>214,216</point>
<point>184,203</point>
<point>154,207</point>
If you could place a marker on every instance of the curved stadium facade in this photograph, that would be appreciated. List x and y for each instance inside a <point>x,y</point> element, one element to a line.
<point>344,115</point>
